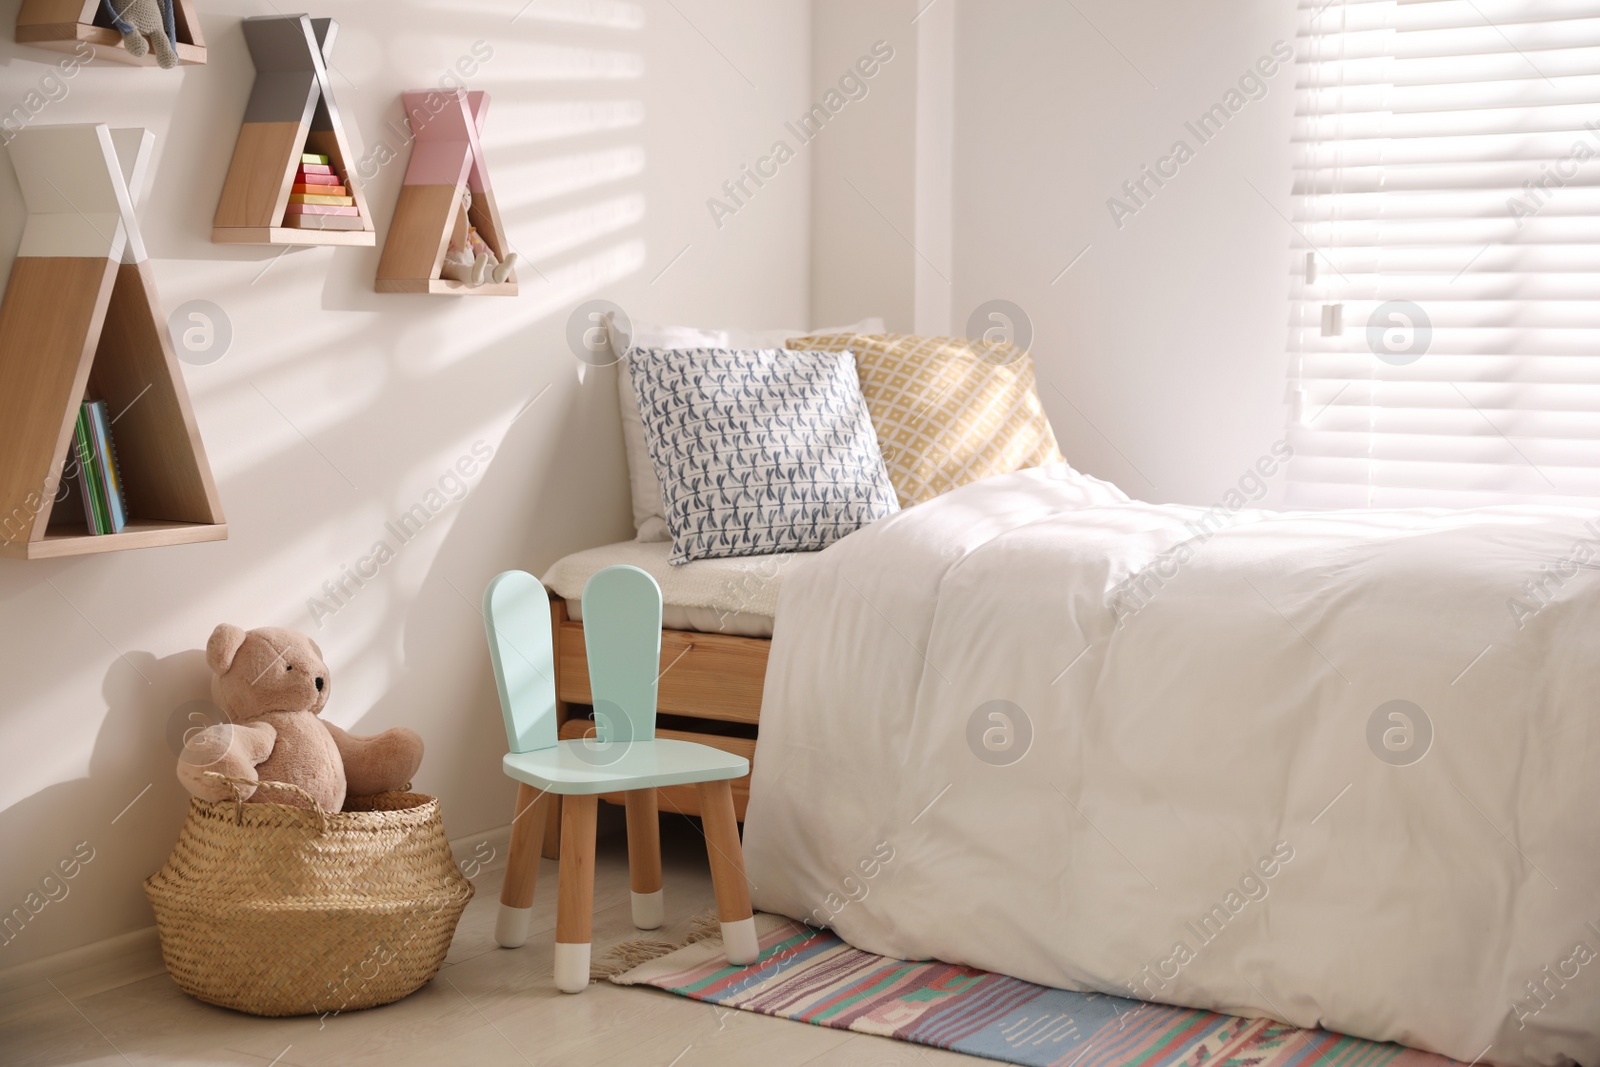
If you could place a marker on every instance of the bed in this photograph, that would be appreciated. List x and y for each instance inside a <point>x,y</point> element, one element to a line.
<point>1337,769</point>
<point>1332,768</point>
<point>717,620</point>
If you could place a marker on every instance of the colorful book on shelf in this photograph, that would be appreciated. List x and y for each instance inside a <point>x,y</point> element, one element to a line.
<point>94,507</point>
<point>106,467</point>
<point>80,455</point>
<point>325,201</point>
<point>320,199</point>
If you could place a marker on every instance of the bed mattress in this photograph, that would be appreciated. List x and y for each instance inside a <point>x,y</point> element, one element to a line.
<point>737,596</point>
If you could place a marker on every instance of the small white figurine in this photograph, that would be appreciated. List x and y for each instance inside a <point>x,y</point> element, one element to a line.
<point>469,259</point>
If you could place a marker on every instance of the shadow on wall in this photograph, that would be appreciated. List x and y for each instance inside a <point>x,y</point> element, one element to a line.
<point>565,172</point>
<point>468,734</point>
<point>74,864</point>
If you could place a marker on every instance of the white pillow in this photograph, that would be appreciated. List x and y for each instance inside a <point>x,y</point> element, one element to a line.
<point>649,512</point>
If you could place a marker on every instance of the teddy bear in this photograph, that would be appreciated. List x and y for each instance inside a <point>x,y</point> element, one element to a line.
<point>469,259</point>
<point>138,20</point>
<point>273,684</point>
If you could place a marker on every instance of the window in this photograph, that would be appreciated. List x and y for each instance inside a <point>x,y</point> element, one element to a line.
<point>1445,312</point>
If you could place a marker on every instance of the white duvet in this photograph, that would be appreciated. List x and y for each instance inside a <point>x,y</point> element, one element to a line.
<point>1038,728</point>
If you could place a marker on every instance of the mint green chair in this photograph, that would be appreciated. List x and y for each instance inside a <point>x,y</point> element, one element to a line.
<point>622,633</point>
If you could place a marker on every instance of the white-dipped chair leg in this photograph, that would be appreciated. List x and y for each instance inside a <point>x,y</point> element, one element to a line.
<point>522,868</point>
<point>740,942</point>
<point>644,859</point>
<point>572,967</point>
<point>511,926</point>
<point>650,909</point>
<point>721,828</point>
<point>575,894</point>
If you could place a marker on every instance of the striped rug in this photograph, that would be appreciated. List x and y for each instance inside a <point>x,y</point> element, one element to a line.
<point>811,976</point>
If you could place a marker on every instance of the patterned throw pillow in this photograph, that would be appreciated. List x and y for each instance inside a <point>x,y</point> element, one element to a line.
<point>759,451</point>
<point>947,411</point>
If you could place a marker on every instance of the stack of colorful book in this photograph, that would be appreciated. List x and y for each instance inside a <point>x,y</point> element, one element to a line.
<point>99,479</point>
<point>319,199</point>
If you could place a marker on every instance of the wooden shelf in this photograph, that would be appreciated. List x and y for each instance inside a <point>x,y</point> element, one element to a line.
<point>444,287</point>
<point>139,533</point>
<point>291,112</point>
<point>289,235</point>
<point>446,162</point>
<point>66,25</point>
<point>81,319</point>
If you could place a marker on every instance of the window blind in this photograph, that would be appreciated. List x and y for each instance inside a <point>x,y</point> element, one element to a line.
<point>1445,298</point>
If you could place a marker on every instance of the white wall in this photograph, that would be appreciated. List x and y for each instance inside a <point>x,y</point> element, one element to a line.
<point>336,409</point>
<point>863,259</point>
<point>1168,336</point>
<point>935,168</point>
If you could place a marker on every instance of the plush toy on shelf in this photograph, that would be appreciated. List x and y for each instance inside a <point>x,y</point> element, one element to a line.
<point>145,25</point>
<point>272,684</point>
<point>469,259</point>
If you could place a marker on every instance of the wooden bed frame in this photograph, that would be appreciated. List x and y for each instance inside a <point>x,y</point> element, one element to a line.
<point>709,691</point>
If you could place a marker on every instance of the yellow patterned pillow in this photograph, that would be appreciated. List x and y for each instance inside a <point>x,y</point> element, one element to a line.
<point>947,411</point>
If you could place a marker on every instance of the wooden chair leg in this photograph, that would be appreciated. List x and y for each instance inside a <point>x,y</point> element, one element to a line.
<point>575,893</point>
<point>551,849</point>
<point>522,867</point>
<point>727,872</point>
<point>644,859</point>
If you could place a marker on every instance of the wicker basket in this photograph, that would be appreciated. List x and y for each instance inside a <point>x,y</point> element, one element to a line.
<point>278,910</point>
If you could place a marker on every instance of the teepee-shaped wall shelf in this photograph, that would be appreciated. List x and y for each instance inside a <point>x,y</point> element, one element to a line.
<point>81,319</point>
<point>446,161</point>
<point>291,112</point>
<point>68,25</point>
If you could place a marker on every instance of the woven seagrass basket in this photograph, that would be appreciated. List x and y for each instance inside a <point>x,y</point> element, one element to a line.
<point>278,910</point>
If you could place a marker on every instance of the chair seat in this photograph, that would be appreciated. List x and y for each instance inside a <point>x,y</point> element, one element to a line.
<point>584,766</point>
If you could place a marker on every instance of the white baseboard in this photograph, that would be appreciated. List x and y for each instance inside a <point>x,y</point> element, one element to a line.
<point>470,850</point>
<point>476,854</point>
<point>132,943</point>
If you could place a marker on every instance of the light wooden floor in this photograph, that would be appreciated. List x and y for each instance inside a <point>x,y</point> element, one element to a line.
<point>488,1006</point>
